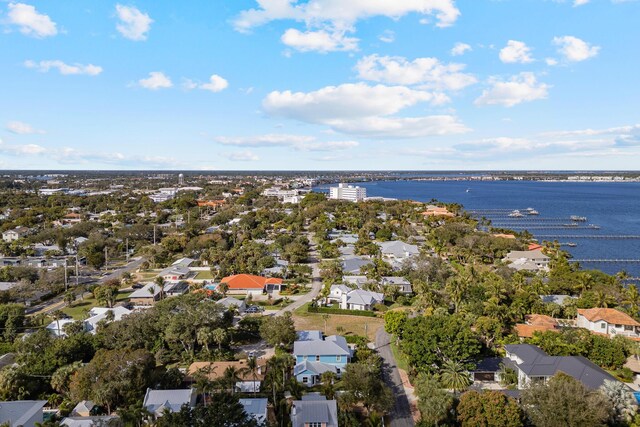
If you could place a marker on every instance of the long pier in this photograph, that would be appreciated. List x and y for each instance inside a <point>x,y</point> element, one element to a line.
<point>610,261</point>
<point>545,227</point>
<point>588,236</point>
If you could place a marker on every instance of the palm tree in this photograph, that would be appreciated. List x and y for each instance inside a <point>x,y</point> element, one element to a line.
<point>252,369</point>
<point>454,376</point>
<point>325,318</point>
<point>223,288</point>
<point>204,336</point>
<point>230,377</point>
<point>160,282</point>
<point>219,336</point>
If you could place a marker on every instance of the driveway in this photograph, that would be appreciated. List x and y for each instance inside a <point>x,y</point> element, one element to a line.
<point>316,283</point>
<point>400,415</point>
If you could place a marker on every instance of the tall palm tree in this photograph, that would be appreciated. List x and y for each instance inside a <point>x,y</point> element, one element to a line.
<point>160,282</point>
<point>454,376</point>
<point>252,369</point>
<point>230,377</point>
<point>223,288</point>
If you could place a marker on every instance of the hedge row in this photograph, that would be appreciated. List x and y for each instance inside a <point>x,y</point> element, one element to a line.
<point>329,310</point>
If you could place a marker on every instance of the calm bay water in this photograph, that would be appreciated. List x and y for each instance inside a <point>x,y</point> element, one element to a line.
<point>614,207</point>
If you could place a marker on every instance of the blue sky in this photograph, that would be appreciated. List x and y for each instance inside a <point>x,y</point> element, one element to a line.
<point>320,84</point>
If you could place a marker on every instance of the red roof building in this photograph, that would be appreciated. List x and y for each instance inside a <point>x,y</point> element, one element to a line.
<point>247,283</point>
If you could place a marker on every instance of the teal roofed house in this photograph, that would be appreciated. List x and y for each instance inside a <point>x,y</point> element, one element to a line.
<point>317,355</point>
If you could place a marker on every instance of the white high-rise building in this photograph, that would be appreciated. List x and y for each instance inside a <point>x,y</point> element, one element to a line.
<point>348,192</point>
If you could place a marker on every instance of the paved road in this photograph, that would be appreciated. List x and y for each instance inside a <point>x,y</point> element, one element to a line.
<point>58,302</point>
<point>316,282</point>
<point>401,413</point>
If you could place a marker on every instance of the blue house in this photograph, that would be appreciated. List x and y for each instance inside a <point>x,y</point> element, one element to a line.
<point>315,355</point>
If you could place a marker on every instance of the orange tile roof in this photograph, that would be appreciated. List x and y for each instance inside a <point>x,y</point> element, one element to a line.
<point>609,315</point>
<point>536,323</point>
<point>247,281</point>
<point>540,320</point>
<point>211,203</point>
<point>527,331</point>
<point>535,247</point>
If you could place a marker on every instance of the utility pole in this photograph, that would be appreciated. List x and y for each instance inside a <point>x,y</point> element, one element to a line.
<point>154,234</point>
<point>127,248</point>
<point>77,270</point>
<point>65,275</point>
<point>106,260</point>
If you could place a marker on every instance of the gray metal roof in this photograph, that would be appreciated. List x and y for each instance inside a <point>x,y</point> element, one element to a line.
<point>155,400</point>
<point>255,407</point>
<point>330,346</point>
<point>398,248</point>
<point>352,264</point>
<point>19,412</point>
<point>316,368</point>
<point>537,363</point>
<point>314,411</point>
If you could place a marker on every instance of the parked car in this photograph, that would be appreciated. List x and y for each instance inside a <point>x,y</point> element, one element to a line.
<point>254,309</point>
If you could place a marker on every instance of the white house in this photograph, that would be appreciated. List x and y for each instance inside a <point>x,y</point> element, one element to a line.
<point>354,299</point>
<point>398,250</point>
<point>608,321</point>
<point>99,314</point>
<point>15,234</point>
<point>528,260</point>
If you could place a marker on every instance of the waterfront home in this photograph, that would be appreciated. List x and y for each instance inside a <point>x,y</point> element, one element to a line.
<point>247,284</point>
<point>159,401</point>
<point>608,321</point>
<point>354,299</point>
<point>23,413</point>
<point>533,365</point>
<point>536,323</point>
<point>527,260</point>
<point>432,210</point>
<point>403,285</point>
<point>248,382</point>
<point>316,356</point>
<point>314,411</point>
<point>146,296</point>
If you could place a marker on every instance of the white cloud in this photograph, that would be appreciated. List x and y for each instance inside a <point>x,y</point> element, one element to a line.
<point>30,21</point>
<point>575,49</point>
<point>24,149</point>
<point>460,49</point>
<point>242,156</point>
<point>323,41</point>
<point>361,109</point>
<point>516,52</point>
<point>522,87</point>
<point>348,101</point>
<point>216,84</point>
<point>298,142</point>
<point>21,128</point>
<point>387,36</point>
<point>551,62</point>
<point>65,69</point>
<point>156,80</point>
<point>342,13</point>
<point>134,24</point>
<point>577,3</point>
<point>428,72</point>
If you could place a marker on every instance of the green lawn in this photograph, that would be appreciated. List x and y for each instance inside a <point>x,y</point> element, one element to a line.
<point>204,275</point>
<point>80,307</point>
<point>352,325</point>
